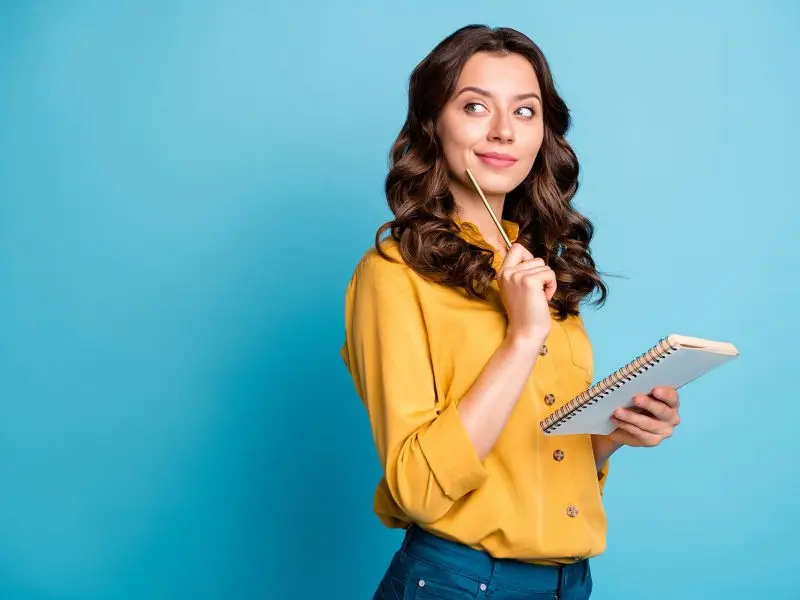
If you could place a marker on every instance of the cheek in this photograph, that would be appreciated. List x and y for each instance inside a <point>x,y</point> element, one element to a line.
<point>532,145</point>
<point>462,134</point>
<point>457,140</point>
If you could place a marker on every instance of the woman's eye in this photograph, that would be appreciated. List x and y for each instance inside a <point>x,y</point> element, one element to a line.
<point>475,107</point>
<point>526,111</point>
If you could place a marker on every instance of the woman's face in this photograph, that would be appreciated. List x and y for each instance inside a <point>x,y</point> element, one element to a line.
<point>493,122</point>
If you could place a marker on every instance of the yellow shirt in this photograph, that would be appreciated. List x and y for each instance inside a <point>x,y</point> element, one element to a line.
<point>414,348</point>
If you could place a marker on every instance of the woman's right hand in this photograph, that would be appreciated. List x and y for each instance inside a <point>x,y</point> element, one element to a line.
<point>526,285</point>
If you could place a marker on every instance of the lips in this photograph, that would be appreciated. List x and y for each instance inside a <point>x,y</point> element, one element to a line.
<point>496,159</point>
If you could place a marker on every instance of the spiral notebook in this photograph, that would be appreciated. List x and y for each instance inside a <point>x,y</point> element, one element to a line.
<point>675,361</point>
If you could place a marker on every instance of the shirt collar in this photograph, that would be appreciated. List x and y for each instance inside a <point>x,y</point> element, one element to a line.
<point>470,232</point>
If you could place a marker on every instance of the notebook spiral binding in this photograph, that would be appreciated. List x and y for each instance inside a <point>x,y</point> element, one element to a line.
<point>603,388</point>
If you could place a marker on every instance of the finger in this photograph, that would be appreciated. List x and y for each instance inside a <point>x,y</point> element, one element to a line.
<point>644,438</point>
<point>526,265</point>
<point>549,283</point>
<point>660,410</point>
<point>543,277</point>
<point>540,277</point>
<point>521,275</point>
<point>642,421</point>
<point>620,436</point>
<point>515,255</point>
<point>669,395</point>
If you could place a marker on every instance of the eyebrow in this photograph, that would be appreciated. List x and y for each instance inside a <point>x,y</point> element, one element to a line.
<point>482,92</point>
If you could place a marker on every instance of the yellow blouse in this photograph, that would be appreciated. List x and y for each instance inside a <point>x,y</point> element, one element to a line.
<point>413,348</point>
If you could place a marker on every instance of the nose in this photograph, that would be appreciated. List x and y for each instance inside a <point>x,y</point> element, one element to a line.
<point>501,129</point>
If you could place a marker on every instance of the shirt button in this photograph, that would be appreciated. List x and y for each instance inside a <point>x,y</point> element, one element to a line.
<point>543,350</point>
<point>572,511</point>
<point>483,587</point>
<point>558,455</point>
<point>549,399</point>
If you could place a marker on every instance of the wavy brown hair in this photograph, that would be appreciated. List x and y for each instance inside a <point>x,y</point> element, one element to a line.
<point>417,183</point>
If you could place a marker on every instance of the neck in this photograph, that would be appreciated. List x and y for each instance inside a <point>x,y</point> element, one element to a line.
<point>470,208</point>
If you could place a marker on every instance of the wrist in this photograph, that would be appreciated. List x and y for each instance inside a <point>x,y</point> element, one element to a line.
<point>603,447</point>
<point>529,341</point>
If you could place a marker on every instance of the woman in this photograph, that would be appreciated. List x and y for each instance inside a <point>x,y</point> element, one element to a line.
<point>458,348</point>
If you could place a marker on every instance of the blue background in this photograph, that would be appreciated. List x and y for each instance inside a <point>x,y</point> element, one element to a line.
<point>185,188</point>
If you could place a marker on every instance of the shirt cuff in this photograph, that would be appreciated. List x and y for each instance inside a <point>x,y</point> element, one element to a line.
<point>451,455</point>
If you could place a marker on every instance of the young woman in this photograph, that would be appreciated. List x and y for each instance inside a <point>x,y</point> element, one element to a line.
<point>458,347</point>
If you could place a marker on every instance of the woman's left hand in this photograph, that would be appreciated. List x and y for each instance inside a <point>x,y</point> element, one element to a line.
<point>652,419</point>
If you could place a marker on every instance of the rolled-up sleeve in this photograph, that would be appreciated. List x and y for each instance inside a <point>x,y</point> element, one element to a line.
<point>428,459</point>
<point>602,475</point>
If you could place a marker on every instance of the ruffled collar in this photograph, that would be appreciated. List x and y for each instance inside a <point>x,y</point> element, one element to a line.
<point>469,232</point>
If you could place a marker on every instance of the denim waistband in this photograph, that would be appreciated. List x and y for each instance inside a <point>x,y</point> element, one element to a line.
<point>481,566</point>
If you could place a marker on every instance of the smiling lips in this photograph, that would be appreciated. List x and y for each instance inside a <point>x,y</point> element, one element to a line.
<point>495,159</point>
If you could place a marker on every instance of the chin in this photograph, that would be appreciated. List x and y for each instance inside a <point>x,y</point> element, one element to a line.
<point>495,183</point>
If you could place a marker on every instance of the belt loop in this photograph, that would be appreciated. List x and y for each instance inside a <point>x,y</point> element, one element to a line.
<point>495,573</point>
<point>407,538</point>
<point>560,585</point>
<point>585,570</point>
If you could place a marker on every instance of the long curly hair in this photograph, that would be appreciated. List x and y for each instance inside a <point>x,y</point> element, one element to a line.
<point>417,183</point>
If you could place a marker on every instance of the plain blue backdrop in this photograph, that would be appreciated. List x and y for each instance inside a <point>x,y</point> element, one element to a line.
<point>185,188</point>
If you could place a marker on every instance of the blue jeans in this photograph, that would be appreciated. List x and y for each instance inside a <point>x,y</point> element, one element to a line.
<point>429,567</point>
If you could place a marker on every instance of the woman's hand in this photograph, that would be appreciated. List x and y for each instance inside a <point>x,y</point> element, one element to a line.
<point>526,285</point>
<point>652,420</point>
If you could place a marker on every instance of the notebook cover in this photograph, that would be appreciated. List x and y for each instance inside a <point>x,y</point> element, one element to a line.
<point>677,369</point>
